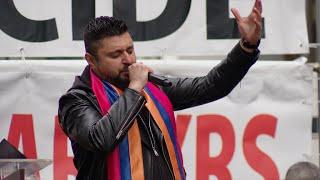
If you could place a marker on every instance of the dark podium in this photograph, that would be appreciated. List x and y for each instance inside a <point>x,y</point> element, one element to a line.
<point>21,169</point>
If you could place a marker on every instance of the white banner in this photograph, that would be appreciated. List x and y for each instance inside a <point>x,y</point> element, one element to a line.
<point>160,28</point>
<point>260,129</point>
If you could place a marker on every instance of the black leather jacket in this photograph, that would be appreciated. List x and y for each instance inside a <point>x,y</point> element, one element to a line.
<point>93,134</point>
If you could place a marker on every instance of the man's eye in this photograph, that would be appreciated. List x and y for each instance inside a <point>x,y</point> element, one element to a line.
<point>115,55</point>
<point>130,50</point>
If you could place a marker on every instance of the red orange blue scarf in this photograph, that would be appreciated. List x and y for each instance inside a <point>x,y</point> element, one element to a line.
<point>126,161</point>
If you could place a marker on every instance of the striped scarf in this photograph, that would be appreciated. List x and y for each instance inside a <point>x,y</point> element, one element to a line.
<point>125,162</point>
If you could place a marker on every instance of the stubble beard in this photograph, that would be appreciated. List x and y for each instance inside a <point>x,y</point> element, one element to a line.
<point>120,81</point>
<point>123,82</point>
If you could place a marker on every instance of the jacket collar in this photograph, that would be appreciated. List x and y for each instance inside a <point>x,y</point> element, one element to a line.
<point>83,81</point>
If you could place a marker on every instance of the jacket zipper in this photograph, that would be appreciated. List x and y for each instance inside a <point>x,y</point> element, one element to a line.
<point>126,124</point>
<point>154,141</point>
<point>153,144</point>
<point>172,175</point>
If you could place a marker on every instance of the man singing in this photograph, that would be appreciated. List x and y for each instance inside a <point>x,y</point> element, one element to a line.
<point>122,126</point>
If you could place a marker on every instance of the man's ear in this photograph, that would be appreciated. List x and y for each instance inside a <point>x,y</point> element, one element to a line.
<point>90,60</point>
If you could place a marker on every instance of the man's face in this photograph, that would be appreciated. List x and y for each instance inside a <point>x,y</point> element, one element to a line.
<point>113,57</point>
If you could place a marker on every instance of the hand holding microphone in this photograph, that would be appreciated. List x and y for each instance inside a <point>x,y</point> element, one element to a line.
<point>139,74</point>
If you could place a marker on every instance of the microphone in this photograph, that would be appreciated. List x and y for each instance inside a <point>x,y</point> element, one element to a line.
<point>159,80</point>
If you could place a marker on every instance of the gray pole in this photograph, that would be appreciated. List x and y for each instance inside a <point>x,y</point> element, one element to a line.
<point>317,19</point>
<point>317,56</point>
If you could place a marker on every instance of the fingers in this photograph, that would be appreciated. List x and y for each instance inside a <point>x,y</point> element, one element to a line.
<point>258,26</point>
<point>258,14</point>
<point>138,76</point>
<point>258,5</point>
<point>150,70</point>
<point>236,14</point>
<point>257,20</point>
<point>139,65</point>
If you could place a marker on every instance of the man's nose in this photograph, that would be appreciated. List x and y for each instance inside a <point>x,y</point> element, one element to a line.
<point>127,58</point>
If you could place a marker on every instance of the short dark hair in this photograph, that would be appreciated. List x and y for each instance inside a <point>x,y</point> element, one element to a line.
<point>303,171</point>
<point>99,28</point>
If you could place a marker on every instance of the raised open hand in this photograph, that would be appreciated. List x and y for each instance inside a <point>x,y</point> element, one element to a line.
<point>250,27</point>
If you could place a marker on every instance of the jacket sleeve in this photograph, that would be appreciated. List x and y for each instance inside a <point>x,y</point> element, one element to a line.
<point>219,82</point>
<point>81,120</point>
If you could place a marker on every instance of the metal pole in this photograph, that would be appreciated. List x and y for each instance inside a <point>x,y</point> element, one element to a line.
<point>317,19</point>
<point>317,56</point>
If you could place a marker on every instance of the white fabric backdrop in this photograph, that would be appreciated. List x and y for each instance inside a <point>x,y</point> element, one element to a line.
<point>30,91</point>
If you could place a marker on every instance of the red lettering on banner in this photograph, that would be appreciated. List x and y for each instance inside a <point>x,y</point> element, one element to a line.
<point>22,124</point>
<point>217,166</point>
<point>182,122</point>
<point>258,160</point>
<point>62,163</point>
<point>22,128</point>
